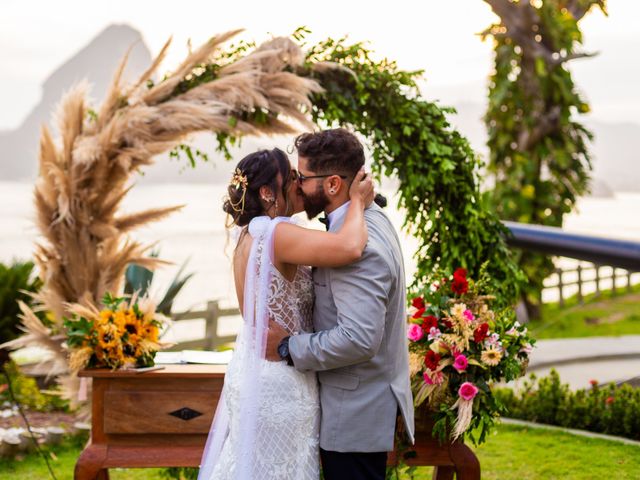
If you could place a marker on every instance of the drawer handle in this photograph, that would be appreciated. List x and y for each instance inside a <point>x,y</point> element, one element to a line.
<point>185,413</point>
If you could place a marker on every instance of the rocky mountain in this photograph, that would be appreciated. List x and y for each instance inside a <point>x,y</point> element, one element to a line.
<point>96,62</point>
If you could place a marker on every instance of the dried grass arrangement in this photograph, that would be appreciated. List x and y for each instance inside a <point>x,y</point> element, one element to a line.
<point>83,178</point>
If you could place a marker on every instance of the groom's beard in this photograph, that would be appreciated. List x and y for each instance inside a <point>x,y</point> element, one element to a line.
<point>315,203</point>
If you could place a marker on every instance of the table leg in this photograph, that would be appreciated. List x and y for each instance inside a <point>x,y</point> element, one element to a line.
<point>466,463</point>
<point>443,473</point>
<point>90,464</point>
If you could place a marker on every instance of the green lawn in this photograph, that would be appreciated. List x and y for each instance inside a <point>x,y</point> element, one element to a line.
<point>512,453</point>
<point>604,316</point>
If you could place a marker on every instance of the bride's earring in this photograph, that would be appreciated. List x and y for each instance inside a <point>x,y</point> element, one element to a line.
<point>272,203</point>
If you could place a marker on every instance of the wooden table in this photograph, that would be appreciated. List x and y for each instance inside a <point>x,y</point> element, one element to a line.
<point>152,419</point>
<point>162,419</point>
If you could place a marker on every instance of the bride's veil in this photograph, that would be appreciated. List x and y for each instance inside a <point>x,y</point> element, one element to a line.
<point>254,335</point>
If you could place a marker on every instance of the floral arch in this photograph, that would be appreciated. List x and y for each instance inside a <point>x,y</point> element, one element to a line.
<point>273,88</point>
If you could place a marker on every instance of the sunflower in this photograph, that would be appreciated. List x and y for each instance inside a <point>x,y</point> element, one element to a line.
<point>131,324</point>
<point>114,356</point>
<point>150,332</point>
<point>108,335</point>
<point>117,318</point>
<point>129,350</point>
<point>106,316</point>
<point>491,356</point>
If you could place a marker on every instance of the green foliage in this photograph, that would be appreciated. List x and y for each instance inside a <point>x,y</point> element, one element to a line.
<point>27,392</point>
<point>139,279</point>
<point>610,409</point>
<point>16,281</point>
<point>410,138</point>
<point>180,473</point>
<point>538,151</point>
<point>191,154</point>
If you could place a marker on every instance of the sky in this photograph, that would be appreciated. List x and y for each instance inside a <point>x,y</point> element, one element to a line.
<point>437,36</point>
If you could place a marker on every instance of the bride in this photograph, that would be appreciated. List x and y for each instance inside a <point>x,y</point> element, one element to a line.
<point>267,421</point>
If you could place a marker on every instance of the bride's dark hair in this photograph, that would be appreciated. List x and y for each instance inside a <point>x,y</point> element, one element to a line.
<point>256,170</point>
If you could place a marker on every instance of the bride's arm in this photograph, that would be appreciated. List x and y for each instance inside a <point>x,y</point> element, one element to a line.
<point>302,246</point>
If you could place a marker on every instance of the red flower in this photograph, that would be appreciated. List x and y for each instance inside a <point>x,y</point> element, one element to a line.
<point>594,383</point>
<point>460,273</point>
<point>429,322</point>
<point>418,303</point>
<point>447,323</point>
<point>459,285</point>
<point>609,400</point>
<point>3,387</point>
<point>431,360</point>
<point>480,333</point>
<point>418,313</point>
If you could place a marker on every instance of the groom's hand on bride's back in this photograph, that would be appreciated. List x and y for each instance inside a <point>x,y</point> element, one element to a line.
<point>275,334</point>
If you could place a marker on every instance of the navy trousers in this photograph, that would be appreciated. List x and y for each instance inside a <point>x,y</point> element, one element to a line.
<point>353,465</point>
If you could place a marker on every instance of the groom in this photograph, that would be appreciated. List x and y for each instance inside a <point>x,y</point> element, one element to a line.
<point>360,346</point>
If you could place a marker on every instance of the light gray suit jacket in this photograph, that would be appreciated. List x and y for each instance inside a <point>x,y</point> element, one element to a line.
<point>360,346</point>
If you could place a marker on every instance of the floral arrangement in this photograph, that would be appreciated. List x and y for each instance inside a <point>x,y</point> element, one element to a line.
<point>458,347</point>
<point>124,334</point>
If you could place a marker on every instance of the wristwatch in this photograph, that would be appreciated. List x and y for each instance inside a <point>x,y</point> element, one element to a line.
<point>283,351</point>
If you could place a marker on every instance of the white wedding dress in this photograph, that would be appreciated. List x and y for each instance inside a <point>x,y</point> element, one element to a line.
<point>284,443</point>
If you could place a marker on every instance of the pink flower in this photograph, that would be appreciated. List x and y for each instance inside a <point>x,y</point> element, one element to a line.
<point>415,332</point>
<point>468,314</point>
<point>434,334</point>
<point>526,348</point>
<point>435,378</point>
<point>460,363</point>
<point>467,391</point>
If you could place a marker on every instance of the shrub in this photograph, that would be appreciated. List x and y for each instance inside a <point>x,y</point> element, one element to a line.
<point>27,392</point>
<point>16,281</point>
<point>610,409</point>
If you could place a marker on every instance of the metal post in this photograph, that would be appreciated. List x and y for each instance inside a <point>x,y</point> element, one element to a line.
<point>597,280</point>
<point>629,289</point>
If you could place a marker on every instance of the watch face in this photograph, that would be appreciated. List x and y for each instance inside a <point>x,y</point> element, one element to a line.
<point>283,350</point>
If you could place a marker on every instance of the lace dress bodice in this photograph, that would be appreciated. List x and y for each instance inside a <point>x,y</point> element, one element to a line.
<point>290,303</point>
<point>286,446</point>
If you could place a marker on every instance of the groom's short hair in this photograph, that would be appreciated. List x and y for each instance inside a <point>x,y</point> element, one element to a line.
<point>331,151</point>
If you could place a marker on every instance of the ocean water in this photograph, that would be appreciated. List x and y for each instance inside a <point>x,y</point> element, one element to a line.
<point>197,235</point>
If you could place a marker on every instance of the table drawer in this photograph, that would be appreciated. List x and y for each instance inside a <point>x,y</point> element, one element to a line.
<point>171,412</point>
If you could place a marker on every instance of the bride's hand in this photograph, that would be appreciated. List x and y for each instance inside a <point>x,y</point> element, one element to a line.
<point>362,187</point>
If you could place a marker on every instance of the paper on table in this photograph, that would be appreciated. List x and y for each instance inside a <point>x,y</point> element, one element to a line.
<point>194,356</point>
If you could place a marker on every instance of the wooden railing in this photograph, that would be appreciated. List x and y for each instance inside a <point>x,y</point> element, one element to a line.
<point>211,315</point>
<point>589,275</point>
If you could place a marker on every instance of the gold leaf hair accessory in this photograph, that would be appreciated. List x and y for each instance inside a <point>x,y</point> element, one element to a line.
<point>239,180</point>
